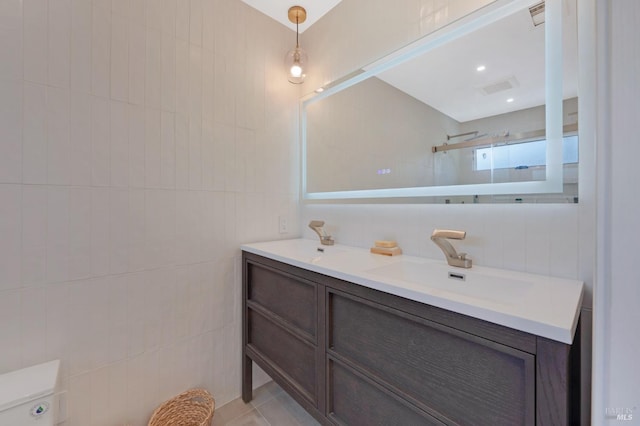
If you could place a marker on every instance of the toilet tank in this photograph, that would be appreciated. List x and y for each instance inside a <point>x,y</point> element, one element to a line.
<point>28,396</point>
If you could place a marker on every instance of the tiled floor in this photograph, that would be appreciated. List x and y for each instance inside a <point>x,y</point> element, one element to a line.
<point>271,406</point>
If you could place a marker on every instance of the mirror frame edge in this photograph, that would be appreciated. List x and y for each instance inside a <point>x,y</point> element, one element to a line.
<point>486,15</point>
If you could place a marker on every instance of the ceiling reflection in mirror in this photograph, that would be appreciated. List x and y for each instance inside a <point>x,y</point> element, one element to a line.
<point>468,119</point>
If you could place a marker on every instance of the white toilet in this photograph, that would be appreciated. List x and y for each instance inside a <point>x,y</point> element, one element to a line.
<point>28,396</point>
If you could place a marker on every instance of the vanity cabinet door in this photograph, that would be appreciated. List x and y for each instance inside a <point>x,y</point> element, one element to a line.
<point>290,298</point>
<point>443,372</point>
<point>354,399</point>
<point>281,327</point>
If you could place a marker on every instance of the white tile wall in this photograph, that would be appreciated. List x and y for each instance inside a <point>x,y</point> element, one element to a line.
<point>80,131</point>
<point>10,275</point>
<point>11,13</point>
<point>141,142</point>
<point>34,235</point>
<point>119,56</point>
<point>59,42</point>
<point>35,32</point>
<point>34,131</point>
<point>58,143</point>
<point>12,130</point>
<point>81,19</point>
<point>533,238</point>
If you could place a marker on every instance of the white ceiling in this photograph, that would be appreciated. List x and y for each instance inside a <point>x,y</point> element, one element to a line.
<point>277,9</point>
<point>511,50</point>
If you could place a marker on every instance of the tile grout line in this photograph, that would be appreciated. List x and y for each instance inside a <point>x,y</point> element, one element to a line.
<point>281,404</point>
<point>262,415</point>
<point>250,407</point>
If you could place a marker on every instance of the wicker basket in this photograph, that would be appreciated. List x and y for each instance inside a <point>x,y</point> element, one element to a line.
<point>194,407</point>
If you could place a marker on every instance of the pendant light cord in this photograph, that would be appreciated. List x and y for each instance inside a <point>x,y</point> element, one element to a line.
<point>297,43</point>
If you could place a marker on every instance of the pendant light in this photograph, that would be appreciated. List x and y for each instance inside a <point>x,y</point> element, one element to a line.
<point>296,60</point>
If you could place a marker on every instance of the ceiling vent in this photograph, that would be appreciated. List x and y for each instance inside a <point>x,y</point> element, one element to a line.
<point>537,14</point>
<point>499,86</point>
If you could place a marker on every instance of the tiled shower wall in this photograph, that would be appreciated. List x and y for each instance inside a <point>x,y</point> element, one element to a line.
<point>140,143</point>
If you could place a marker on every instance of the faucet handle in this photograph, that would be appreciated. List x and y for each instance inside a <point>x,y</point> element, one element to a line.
<point>316,224</point>
<point>448,233</point>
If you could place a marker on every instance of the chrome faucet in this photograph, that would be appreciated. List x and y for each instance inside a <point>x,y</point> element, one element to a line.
<point>441,237</point>
<point>317,225</point>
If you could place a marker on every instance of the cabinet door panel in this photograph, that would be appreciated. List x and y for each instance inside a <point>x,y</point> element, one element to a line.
<point>356,401</point>
<point>456,376</point>
<point>289,297</point>
<point>293,358</point>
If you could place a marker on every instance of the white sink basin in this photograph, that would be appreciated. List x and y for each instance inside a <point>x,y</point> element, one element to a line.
<point>307,251</point>
<point>465,282</point>
<point>318,253</point>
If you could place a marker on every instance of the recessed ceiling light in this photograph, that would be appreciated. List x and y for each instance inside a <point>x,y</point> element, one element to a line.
<point>510,100</point>
<point>481,68</point>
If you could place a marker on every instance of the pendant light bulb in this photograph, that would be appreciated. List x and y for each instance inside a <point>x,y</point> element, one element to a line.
<point>296,59</point>
<point>296,71</point>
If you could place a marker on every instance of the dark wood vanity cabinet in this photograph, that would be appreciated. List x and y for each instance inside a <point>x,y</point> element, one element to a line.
<point>351,355</point>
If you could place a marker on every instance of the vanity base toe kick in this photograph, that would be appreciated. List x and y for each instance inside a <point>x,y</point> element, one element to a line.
<point>351,355</point>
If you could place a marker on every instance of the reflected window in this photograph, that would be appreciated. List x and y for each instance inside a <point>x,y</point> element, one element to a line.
<point>523,155</point>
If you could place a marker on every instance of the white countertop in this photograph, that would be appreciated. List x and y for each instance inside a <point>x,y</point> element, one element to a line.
<point>541,305</point>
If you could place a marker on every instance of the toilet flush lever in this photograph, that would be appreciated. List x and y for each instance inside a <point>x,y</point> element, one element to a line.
<point>317,226</point>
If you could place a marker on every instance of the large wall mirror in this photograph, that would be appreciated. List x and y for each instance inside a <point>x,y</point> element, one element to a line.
<point>483,110</point>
